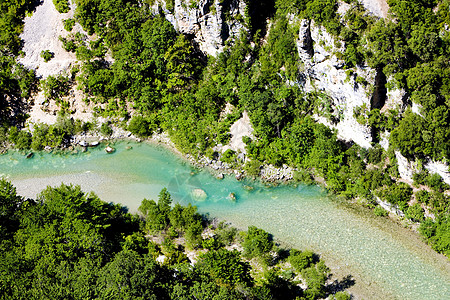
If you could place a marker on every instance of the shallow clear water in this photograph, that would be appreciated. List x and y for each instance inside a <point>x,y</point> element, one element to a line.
<point>373,250</point>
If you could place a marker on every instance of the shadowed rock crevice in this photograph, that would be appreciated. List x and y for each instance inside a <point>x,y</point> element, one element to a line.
<point>259,12</point>
<point>379,95</point>
<point>305,41</point>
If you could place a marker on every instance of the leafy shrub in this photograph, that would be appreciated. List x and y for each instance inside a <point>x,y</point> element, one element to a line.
<point>253,167</point>
<point>13,133</point>
<point>47,55</point>
<point>437,233</point>
<point>229,156</point>
<point>23,140</point>
<point>141,127</point>
<point>68,44</point>
<point>211,154</point>
<point>379,211</point>
<point>225,267</point>
<point>303,176</point>
<point>300,260</point>
<point>105,129</point>
<point>420,177</point>
<point>315,277</point>
<point>211,244</point>
<point>374,155</point>
<point>62,6</point>
<point>68,24</point>
<point>256,243</point>
<point>341,296</point>
<point>399,194</point>
<point>193,234</point>
<point>435,182</point>
<point>423,196</point>
<point>56,87</point>
<point>225,233</point>
<point>415,213</point>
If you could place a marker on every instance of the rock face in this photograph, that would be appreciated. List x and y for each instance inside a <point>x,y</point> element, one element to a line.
<point>238,130</point>
<point>440,168</point>
<point>406,168</point>
<point>340,91</point>
<point>41,32</point>
<point>210,22</point>
<point>377,7</point>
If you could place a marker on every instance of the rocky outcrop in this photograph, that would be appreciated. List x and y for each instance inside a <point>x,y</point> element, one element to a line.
<point>340,91</point>
<point>440,168</point>
<point>211,23</point>
<point>406,168</point>
<point>41,32</point>
<point>305,42</point>
<point>238,130</point>
<point>389,207</point>
<point>378,8</point>
<point>198,195</point>
<point>272,173</point>
<point>395,99</point>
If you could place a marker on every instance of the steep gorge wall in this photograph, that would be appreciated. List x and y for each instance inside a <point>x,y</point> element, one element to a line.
<point>211,23</point>
<point>323,72</point>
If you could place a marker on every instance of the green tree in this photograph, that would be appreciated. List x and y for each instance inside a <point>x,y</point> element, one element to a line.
<point>315,277</point>
<point>256,243</point>
<point>129,275</point>
<point>415,212</point>
<point>9,206</point>
<point>62,6</point>
<point>300,260</point>
<point>225,267</point>
<point>181,67</point>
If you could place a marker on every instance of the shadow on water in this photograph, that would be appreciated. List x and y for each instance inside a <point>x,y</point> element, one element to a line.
<point>341,285</point>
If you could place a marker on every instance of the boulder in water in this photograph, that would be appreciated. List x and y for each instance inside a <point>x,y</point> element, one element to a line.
<point>94,144</point>
<point>30,155</point>
<point>198,195</point>
<point>83,144</point>
<point>109,149</point>
<point>232,197</point>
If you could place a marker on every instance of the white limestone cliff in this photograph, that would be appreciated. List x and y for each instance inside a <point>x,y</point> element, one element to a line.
<point>323,72</point>
<point>211,22</point>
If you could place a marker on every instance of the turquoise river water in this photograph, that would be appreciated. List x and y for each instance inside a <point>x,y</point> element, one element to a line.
<point>385,259</point>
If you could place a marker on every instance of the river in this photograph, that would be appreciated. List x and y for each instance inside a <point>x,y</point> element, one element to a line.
<point>384,259</point>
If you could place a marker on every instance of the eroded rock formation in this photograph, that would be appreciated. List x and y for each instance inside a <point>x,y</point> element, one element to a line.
<point>211,23</point>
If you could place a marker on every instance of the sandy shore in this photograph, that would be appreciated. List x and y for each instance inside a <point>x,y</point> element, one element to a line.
<point>31,187</point>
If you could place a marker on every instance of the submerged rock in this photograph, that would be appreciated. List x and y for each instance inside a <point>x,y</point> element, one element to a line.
<point>30,155</point>
<point>232,197</point>
<point>199,195</point>
<point>248,188</point>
